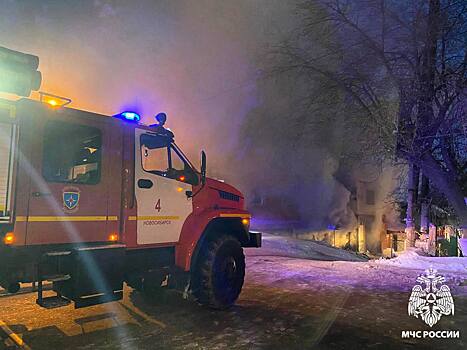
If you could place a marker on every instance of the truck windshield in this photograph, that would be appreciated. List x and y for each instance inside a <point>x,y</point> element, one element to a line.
<point>185,158</point>
<point>7,133</point>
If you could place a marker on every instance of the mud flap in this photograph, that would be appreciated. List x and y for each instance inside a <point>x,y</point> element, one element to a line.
<point>254,240</point>
<point>96,276</point>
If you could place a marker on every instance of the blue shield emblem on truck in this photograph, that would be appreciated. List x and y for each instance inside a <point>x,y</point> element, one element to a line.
<point>70,199</point>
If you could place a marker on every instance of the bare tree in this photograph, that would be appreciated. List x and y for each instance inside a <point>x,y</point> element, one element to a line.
<point>402,67</point>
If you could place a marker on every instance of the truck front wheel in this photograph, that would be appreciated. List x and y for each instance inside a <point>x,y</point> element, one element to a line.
<point>219,272</point>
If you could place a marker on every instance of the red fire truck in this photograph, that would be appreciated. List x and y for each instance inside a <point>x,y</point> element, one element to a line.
<point>89,202</point>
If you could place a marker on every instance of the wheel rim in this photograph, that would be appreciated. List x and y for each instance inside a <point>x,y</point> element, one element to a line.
<point>227,276</point>
<point>229,269</point>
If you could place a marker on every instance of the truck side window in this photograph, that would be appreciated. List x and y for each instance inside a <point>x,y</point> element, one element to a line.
<point>154,154</point>
<point>71,153</point>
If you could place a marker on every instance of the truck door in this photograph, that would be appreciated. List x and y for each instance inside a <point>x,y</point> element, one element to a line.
<point>162,205</point>
<point>69,181</point>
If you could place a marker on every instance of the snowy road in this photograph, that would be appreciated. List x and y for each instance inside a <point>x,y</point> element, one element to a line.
<point>288,302</point>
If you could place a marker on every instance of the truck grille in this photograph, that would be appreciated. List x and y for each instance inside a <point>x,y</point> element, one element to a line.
<point>229,196</point>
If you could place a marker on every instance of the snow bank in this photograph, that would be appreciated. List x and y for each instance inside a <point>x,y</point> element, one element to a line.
<point>274,245</point>
<point>411,259</point>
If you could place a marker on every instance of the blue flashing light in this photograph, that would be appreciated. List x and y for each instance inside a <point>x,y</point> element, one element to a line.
<point>130,116</point>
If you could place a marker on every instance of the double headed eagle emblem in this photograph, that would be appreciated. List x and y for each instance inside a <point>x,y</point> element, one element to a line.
<point>431,302</point>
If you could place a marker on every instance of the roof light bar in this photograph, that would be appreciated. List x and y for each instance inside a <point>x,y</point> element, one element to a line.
<point>129,116</point>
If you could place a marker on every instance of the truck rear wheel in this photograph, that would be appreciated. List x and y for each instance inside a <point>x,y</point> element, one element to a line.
<point>219,272</point>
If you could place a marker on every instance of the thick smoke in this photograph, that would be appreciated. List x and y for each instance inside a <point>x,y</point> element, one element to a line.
<point>196,60</point>
<point>191,59</point>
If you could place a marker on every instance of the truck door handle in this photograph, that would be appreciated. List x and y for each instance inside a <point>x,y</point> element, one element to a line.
<point>39,194</point>
<point>145,183</point>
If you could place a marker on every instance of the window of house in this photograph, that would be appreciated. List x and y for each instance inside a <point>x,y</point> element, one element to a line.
<point>370,197</point>
<point>71,153</point>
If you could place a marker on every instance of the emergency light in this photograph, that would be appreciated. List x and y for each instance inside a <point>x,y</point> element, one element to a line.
<point>129,116</point>
<point>54,100</point>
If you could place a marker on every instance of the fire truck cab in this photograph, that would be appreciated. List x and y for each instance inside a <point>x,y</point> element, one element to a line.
<point>88,202</point>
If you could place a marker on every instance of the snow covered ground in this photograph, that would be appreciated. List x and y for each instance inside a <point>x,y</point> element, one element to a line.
<point>327,265</point>
<point>412,258</point>
<point>297,295</point>
<point>348,302</point>
<point>275,245</point>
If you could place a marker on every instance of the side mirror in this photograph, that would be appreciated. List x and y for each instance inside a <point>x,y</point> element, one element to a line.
<point>203,167</point>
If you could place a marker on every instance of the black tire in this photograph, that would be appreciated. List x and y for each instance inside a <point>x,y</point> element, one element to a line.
<point>219,272</point>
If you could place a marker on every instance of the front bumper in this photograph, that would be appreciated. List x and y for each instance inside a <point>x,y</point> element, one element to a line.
<point>254,240</point>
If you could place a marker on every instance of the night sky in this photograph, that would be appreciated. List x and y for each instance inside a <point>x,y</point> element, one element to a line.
<point>195,60</point>
<point>198,61</point>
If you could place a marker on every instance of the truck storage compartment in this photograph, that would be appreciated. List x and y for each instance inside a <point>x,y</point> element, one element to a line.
<point>96,276</point>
